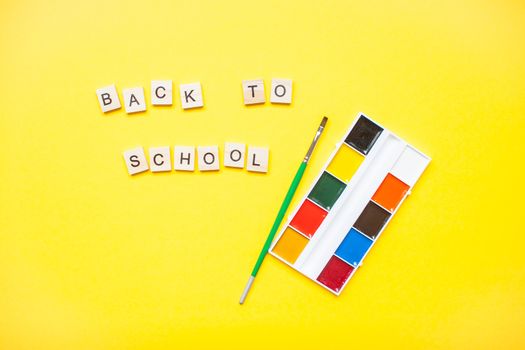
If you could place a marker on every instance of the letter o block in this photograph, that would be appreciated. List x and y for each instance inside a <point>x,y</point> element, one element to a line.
<point>281,91</point>
<point>208,158</point>
<point>234,155</point>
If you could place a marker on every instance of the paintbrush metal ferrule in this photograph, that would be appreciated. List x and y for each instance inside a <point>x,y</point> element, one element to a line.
<point>316,138</point>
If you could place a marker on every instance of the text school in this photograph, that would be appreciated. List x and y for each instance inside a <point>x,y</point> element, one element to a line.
<point>207,157</point>
<point>190,95</point>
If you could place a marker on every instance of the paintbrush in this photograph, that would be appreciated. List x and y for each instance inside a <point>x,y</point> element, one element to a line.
<point>284,206</point>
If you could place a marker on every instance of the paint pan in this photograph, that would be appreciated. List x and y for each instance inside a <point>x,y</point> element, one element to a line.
<point>326,191</point>
<point>290,244</point>
<point>372,220</point>
<point>345,163</point>
<point>363,135</point>
<point>335,274</point>
<point>363,183</point>
<point>308,219</point>
<point>390,193</point>
<point>354,247</point>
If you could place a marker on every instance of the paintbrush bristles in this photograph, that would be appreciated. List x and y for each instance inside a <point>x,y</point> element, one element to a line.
<point>323,122</point>
<point>316,138</point>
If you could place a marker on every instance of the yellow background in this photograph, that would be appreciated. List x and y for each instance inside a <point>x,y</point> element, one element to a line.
<point>91,258</point>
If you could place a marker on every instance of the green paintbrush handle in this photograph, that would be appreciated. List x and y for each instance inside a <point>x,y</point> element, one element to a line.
<point>282,210</point>
<point>280,215</point>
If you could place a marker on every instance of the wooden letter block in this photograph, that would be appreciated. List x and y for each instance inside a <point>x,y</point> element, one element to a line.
<point>134,100</point>
<point>191,95</point>
<point>257,159</point>
<point>253,91</point>
<point>160,159</point>
<point>208,158</point>
<point>108,98</point>
<point>234,154</point>
<point>135,160</point>
<point>281,91</point>
<point>161,92</point>
<point>184,158</point>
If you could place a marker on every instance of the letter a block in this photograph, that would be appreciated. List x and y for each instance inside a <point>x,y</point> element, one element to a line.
<point>134,100</point>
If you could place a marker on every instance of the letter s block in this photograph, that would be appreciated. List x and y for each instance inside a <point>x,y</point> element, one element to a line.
<point>135,160</point>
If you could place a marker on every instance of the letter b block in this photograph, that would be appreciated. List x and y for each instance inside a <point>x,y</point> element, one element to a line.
<point>134,100</point>
<point>108,98</point>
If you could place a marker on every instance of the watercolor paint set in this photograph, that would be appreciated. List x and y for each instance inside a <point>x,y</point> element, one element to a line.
<point>360,188</point>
